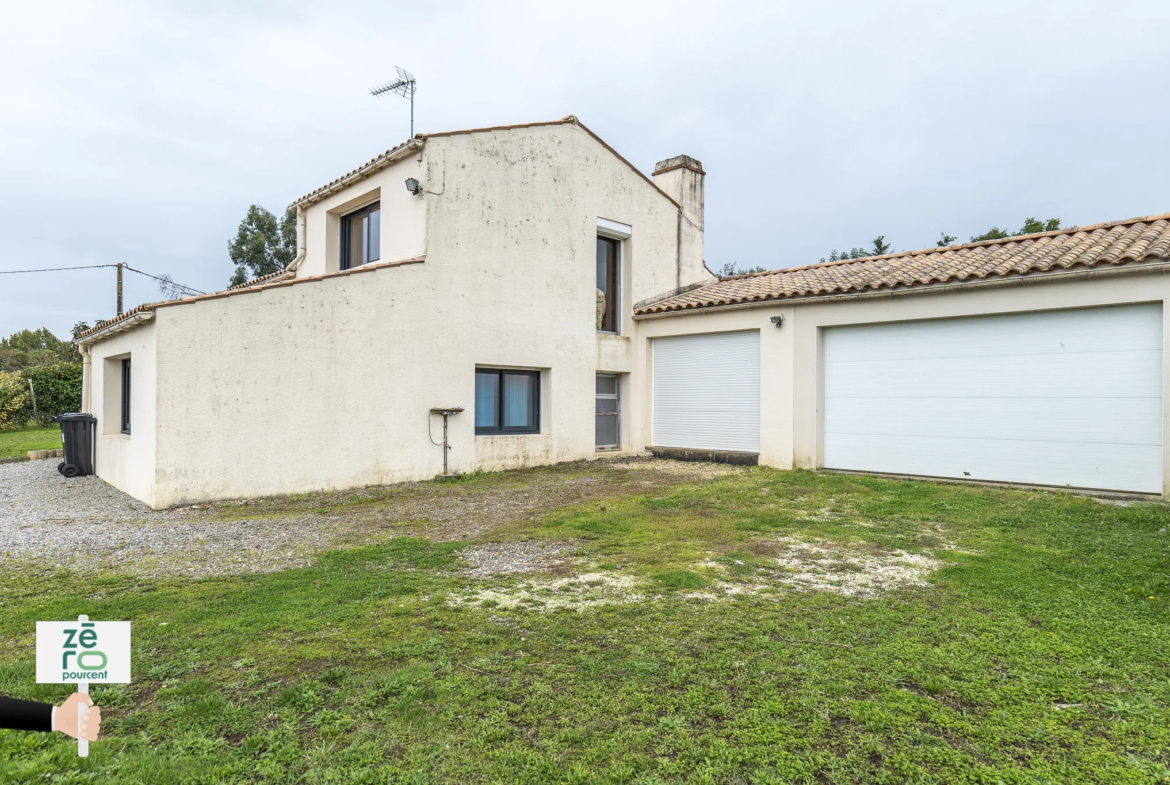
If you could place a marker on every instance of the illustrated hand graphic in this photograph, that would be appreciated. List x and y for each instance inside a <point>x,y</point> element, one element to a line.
<point>65,718</point>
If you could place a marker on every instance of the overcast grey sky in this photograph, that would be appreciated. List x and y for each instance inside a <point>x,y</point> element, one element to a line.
<point>141,132</point>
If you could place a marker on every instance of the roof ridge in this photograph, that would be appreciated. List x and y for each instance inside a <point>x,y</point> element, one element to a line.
<point>569,119</point>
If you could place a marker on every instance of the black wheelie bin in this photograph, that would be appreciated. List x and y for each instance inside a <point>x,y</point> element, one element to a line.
<point>77,437</point>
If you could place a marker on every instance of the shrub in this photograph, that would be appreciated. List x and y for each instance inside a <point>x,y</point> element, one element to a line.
<point>57,387</point>
<point>14,399</point>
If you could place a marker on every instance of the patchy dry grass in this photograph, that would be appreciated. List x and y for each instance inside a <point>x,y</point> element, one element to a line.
<point>635,626</point>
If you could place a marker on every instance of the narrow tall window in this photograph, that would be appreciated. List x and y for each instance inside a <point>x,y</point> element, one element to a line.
<point>126,396</point>
<point>608,295</point>
<point>607,412</point>
<point>361,237</point>
<point>507,401</point>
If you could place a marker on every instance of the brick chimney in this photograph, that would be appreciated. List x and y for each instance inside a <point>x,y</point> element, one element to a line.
<point>681,178</point>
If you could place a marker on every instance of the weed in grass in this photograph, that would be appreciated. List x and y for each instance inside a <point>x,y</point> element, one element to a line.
<point>681,579</point>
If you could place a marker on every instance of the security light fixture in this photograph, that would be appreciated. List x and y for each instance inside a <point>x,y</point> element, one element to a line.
<point>778,321</point>
<point>413,186</point>
<point>404,85</point>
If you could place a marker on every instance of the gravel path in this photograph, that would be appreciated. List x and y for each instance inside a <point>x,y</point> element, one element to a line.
<point>59,521</point>
<point>34,491</point>
<point>84,523</point>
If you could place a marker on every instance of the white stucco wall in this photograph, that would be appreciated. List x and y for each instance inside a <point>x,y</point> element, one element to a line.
<point>403,218</point>
<point>791,412</point>
<point>126,461</point>
<point>327,383</point>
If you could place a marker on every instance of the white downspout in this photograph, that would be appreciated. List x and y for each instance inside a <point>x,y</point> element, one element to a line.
<point>86,378</point>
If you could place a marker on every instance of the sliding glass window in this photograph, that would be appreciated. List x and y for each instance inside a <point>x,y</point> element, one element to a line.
<point>361,237</point>
<point>507,401</point>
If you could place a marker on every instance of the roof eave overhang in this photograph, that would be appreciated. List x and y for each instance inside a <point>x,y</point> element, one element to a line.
<point>1157,265</point>
<point>119,326</point>
<point>361,173</point>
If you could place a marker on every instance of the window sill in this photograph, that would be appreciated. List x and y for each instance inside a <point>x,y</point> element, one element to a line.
<point>117,435</point>
<point>514,433</point>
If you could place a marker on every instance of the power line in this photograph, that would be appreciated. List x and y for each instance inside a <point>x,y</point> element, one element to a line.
<point>167,281</point>
<point>56,269</point>
<point>96,266</point>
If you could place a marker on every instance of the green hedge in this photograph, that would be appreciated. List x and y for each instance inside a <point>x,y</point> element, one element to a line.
<point>58,390</point>
<point>13,400</point>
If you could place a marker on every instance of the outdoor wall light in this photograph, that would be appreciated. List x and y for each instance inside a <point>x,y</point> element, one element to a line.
<point>413,186</point>
<point>778,321</point>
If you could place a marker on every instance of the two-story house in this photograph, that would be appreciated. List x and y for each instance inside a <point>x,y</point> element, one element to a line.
<point>530,276</point>
<point>495,270</point>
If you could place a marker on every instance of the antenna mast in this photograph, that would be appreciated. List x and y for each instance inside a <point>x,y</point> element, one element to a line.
<point>404,85</point>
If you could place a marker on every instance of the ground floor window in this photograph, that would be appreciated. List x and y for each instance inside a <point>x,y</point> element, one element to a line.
<point>608,412</point>
<point>126,396</point>
<point>507,401</point>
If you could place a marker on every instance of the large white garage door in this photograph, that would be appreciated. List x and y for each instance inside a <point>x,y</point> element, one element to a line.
<point>1059,398</point>
<point>707,391</point>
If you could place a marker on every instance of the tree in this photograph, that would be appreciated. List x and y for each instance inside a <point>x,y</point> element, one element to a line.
<point>945,239</point>
<point>31,348</point>
<point>1031,226</point>
<point>880,248</point>
<point>730,268</point>
<point>994,233</point>
<point>263,244</point>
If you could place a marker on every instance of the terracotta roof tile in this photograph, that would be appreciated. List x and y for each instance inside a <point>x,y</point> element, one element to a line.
<point>1114,243</point>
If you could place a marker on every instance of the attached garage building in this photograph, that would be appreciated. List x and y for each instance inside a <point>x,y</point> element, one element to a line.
<point>1031,360</point>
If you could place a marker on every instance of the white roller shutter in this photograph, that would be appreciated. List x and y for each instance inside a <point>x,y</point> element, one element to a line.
<point>707,391</point>
<point>1055,398</point>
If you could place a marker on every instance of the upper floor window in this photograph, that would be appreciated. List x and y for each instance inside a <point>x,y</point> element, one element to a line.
<point>361,236</point>
<point>609,253</point>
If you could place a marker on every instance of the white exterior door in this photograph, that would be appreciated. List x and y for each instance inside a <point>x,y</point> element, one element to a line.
<point>1069,398</point>
<point>707,391</point>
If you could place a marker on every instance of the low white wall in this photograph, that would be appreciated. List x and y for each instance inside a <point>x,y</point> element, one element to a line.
<point>126,461</point>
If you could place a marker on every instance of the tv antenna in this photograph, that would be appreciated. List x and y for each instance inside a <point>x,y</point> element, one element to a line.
<point>404,85</point>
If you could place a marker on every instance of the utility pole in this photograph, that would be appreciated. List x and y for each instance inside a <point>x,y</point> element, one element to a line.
<point>119,288</point>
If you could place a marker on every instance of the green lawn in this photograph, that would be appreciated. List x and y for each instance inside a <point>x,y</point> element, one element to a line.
<point>1036,652</point>
<point>17,443</point>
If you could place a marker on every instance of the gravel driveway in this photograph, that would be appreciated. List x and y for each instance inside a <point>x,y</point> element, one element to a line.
<point>83,523</point>
<point>79,521</point>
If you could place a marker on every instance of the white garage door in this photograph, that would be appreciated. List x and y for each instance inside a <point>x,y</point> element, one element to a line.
<point>1059,398</point>
<point>707,391</point>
